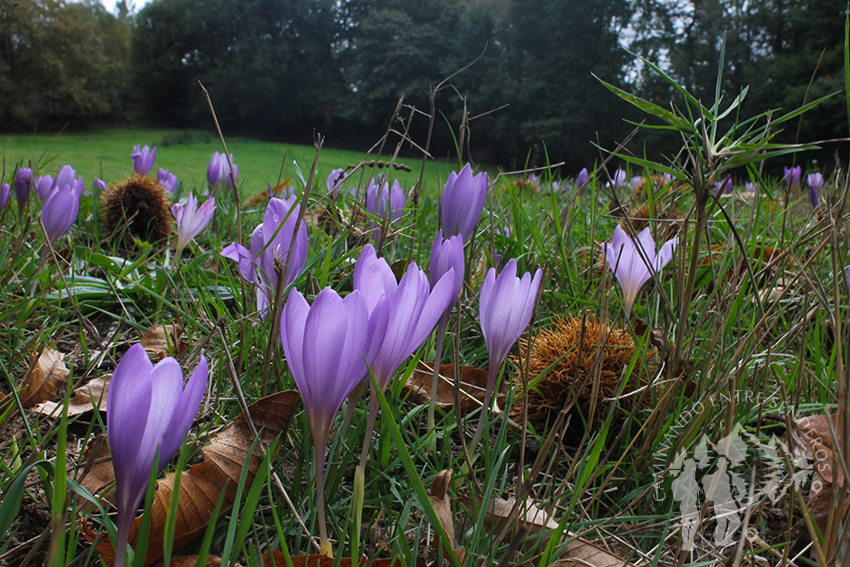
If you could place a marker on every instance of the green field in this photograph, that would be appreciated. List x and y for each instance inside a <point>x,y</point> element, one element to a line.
<point>106,154</point>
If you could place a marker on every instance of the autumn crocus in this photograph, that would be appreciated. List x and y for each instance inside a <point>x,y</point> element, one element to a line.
<point>815,182</point>
<point>23,178</point>
<point>505,308</point>
<point>167,179</point>
<point>384,202</point>
<point>147,410</point>
<point>98,186</point>
<point>218,171</point>
<point>60,211</point>
<point>143,159</point>
<point>634,261</point>
<point>4,195</point>
<point>191,220</point>
<point>618,180</point>
<point>413,310</point>
<point>271,241</point>
<point>335,182</point>
<point>582,179</point>
<point>792,175</point>
<point>327,347</point>
<point>462,202</point>
<point>446,255</point>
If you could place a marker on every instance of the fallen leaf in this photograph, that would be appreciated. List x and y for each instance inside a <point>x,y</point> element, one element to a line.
<point>277,560</point>
<point>473,381</point>
<point>160,340</point>
<point>443,507</point>
<point>86,398</point>
<point>43,380</point>
<point>579,553</point>
<point>202,483</point>
<point>192,560</point>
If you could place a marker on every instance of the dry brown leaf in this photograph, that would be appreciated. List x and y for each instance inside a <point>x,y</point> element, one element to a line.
<point>442,504</point>
<point>813,435</point>
<point>202,483</point>
<point>473,381</point>
<point>84,399</point>
<point>579,552</point>
<point>582,553</point>
<point>162,339</point>
<point>191,560</point>
<point>277,560</point>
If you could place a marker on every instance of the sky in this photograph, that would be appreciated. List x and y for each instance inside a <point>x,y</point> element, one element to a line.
<point>136,5</point>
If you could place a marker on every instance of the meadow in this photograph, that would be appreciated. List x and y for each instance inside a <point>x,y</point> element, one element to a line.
<point>640,365</point>
<point>185,153</point>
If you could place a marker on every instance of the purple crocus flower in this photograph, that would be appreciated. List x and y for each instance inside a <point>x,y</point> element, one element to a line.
<point>147,409</point>
<point>581,179</point>
<point>792,175</point>
<point>143,159</point>
<point>618,180</point>
<point>462,202</point>
<point>815,182</point>
<point>335,182</point>
<point>167,179</point>
<point>723,187</point>
<point>381,199</point>
<point>191,220</point>
<point>623,254</point>
<point>98,185</point>
<point>447,254</point>
<point>749,187</point>
<point>271,241</point>
<point>4,195</point>
<point>413,310</point>
<point>23,178</point>
<point>218,171</point>
<point>505,309</point>
<point>68,176</point>
<point>43,186</point>
<point>60,211</point>
<point>635,181</point>
<point>327,347</point>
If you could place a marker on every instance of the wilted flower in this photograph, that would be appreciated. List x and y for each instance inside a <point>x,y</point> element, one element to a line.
<point>582,179</point>
<point>618,180</point>
<point>815,181</point>
<point>60,211</point>
<point>271,241</point>
<point>218,171</point>
<point>462,202</point>
<point>143,159</point>
<point>167,179</point>
<point>23,178</point>
<point>327,347</point>
<point>335,182</point>
<point>191,220</point>
<point>505,309</point>
<point>43,186</point>
<point>4,195</point>
<point>631,268</point>
<point>792,175</point>
<point>147,409</point>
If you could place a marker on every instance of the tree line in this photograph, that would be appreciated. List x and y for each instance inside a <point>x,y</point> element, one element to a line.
<point>281,69</point>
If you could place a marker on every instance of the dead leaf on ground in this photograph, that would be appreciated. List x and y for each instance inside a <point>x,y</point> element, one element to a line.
<point>42,381</point>
<point>442,504</point>
<point>812,436</point>
<point>202,483</point>
<point>162,339</point>
<point>192,560</point>
<point>473,381</point>
<point>579,552</point>
<point>84,399</point>
<point>277,560</point>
